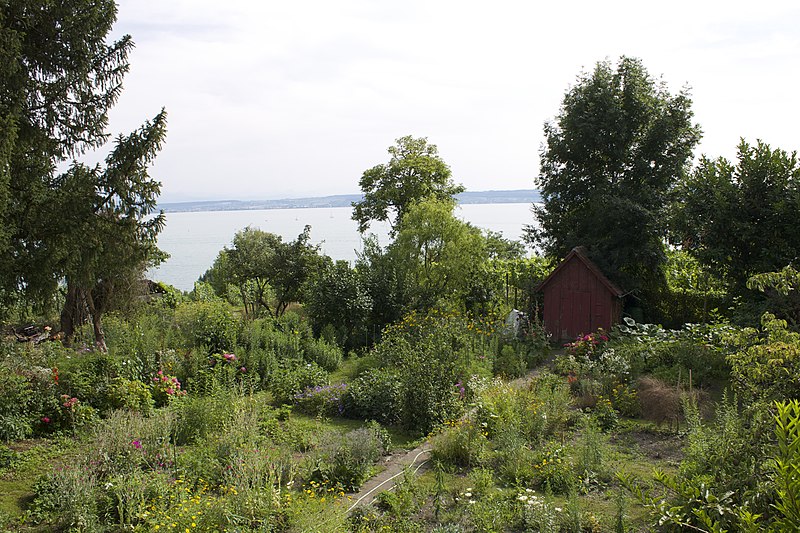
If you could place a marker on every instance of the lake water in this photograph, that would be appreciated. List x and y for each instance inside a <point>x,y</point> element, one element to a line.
<point>193,240</point>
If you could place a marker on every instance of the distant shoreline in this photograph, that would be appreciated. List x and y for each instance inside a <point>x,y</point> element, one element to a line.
<point>518,196</point>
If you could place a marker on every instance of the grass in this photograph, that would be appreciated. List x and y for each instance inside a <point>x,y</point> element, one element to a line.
<point>31,459</point>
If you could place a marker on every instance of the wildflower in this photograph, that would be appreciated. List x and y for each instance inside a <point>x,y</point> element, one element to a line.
<point>137,444</point>
<point>46,420</point>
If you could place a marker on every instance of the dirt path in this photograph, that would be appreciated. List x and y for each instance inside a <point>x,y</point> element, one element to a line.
<point>415,460</point>
<point>395,465</point>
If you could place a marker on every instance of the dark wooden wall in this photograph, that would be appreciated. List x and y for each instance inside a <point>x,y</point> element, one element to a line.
<point>577,302</point>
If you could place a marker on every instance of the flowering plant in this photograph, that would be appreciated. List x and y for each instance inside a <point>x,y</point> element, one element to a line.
<point>165,387</point>
<point>589,346</point>
<point>322,400</point>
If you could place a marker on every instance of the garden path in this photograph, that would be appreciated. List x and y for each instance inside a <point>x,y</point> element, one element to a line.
<point>415,460</point>
<point>394,466</point>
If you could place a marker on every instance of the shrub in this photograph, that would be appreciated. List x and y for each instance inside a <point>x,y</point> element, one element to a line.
<point>625,399</point>
<point>127,394</point>
<point>552,471</point>
<point>347,461</point>
<point>16,421</point>
<point>461,444</point>
<point>327,356</point>
<point>164,388</point>
<point>510,363</point>
<point>207,323</point>
<point>293,378</point>
<point>322,400</point>
<point>375,395</point>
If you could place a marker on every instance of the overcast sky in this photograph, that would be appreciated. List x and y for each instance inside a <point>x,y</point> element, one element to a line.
<point>295,98</point>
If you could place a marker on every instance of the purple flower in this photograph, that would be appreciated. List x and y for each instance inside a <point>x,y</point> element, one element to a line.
<point>137,444</point>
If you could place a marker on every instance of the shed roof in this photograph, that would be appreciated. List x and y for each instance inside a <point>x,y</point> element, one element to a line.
<point>579,253</point>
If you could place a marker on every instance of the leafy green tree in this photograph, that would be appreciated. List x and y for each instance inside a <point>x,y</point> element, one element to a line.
<point>264,268</point>
<point>384,284</point>
<point>437,253</point>
<point>617,146</point>
<point>108,237</point>
<point>250,263</point>
<point>414,172</point>
<point>338,297</point>
<point>296,263</point>
<point>742,219</point>
<point>89,227</point>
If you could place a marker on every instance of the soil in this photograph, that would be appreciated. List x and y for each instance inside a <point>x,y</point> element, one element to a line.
<point>656,445</point>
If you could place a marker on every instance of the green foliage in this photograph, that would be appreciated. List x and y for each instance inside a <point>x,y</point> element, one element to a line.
<point>346,462</point>
<point>322,400</point>
<point>433,355</point>
<point>692,292</point>
<point>60,78</point>
<point>510,363</point>
<point>264,268</point>
<point>617,146</point>
<point>763,372</point>
<point>414,173</point>
<point>437,255</point>
<point>531,414</point>
<point>375,395</point>
<point>293,378</point>
<point>740,219</point>
<point>786,466</point>
<point>782,290</point>
<point>338,298</point>
<point>460,444</point>
<point>322,353</point>
<point>208,324</point>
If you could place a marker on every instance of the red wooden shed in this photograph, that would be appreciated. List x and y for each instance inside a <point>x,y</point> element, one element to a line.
<point>578,298</point>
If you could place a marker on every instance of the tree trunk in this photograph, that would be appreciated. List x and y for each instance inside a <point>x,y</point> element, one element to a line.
<point>97,323</point>
<point>73,314</point>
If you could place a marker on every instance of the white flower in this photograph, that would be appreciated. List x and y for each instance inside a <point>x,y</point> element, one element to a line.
<point>472,501</point>
<point>558,509</point>
<point>467,494</point>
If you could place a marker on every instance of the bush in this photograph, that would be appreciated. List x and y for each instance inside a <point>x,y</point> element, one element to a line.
<point>327,356</point>
<point>347,461</point>
<point>210,324</point>
<point>510,363</point>
<point>375,395</point>
<point>293,378</point>
<point>461,444</point>
<point>322,400</point>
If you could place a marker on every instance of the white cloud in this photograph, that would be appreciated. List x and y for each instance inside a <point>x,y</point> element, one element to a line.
<point>270,99</point>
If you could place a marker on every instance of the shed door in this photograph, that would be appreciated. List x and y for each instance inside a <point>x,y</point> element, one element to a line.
<point>576,314</point>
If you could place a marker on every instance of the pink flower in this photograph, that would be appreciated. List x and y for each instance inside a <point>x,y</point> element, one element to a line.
<point>137,444</point>
<point>243,369</point>
<point>170,391</point>
<point>46,420</point>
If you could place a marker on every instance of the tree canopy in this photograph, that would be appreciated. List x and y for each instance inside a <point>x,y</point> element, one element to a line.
<point>268,273</point>
<point>86,227</point>
<point>741,219</point>
<point>618,144</point>
<point>414,172</point>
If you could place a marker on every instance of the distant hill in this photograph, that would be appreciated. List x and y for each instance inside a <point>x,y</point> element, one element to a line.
<point>519,196</point>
